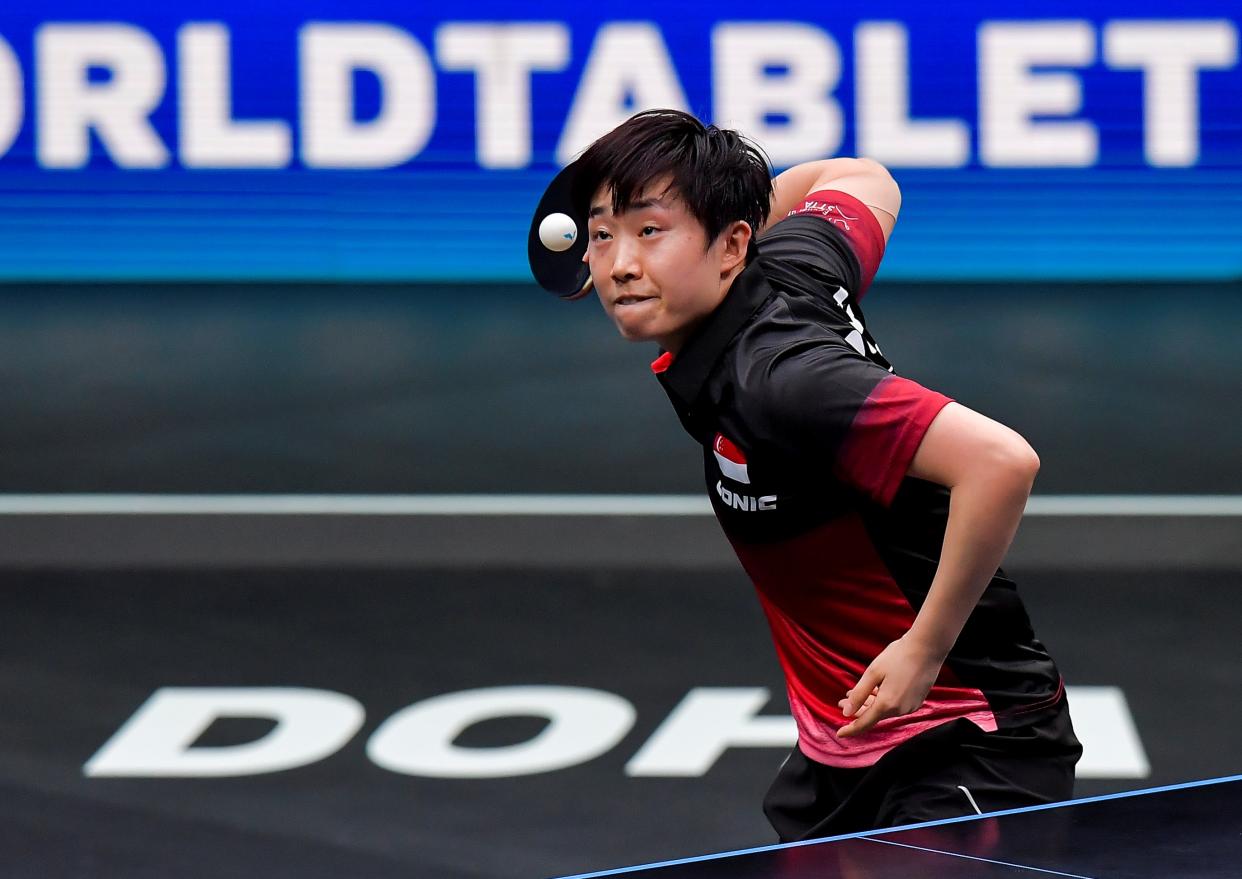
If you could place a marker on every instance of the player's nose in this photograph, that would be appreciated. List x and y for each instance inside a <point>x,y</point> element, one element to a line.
<point>626,265</point>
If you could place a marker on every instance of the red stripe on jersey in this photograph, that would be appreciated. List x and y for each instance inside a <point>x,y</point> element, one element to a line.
<point>832,606</point>
<point>856,220</point>
<point>662,363</point>
<point>885,434</point>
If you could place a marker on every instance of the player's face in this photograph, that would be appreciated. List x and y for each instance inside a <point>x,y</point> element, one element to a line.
<point>651,265</point>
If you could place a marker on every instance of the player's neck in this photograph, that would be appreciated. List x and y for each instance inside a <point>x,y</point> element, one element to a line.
<point>674,342</point>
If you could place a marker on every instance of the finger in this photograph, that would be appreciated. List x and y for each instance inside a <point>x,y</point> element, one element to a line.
<point>864,722</point>
<point>867,684</point>
<point>865,706</point>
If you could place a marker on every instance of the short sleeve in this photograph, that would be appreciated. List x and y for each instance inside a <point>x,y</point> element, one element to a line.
<point>829,239</point>
<point>838,411</point>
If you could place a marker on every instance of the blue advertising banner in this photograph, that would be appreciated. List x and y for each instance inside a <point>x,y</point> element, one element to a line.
<point>393,141</point>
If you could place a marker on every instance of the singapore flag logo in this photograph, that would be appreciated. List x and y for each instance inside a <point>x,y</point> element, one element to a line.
<point>731,460</point>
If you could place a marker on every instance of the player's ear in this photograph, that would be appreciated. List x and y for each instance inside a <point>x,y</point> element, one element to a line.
<point>736,243</point>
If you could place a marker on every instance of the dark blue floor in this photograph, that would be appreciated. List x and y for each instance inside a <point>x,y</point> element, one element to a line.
<point>82,651</point>
<point>252,388</point>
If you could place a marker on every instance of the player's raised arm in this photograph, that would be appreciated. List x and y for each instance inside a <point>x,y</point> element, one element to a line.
<point>989,470</point>
<point>865,179</point>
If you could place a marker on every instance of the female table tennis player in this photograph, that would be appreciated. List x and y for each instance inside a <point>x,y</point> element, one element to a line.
<point>871,513</point>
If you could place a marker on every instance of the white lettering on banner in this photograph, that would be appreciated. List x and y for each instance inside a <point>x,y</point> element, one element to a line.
<point>708,722</point>
<point>1011,94</point>
<point>209,136</point>
<point>776,81</point>
<point>70,105</point>
<point>158,741</point>
<point>886,132</point>
<point>628,70</point>
<point>1171,54</point>
<point>503,56</point>
<point>418,740</point>
<point>746,96</point>
<point>331,136</point>
<point>12,100</point>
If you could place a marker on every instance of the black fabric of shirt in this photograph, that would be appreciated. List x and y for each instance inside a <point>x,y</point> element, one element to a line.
<point>815,433</point>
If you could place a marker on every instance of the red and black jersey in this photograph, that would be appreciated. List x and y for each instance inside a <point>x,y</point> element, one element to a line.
<point>807,436</point>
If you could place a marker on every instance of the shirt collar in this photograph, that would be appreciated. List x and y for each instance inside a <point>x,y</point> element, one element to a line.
<point>662,363</point>
<point>686,373</point>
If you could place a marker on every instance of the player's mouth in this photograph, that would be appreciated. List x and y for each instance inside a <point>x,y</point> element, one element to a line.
<point>630,299</point>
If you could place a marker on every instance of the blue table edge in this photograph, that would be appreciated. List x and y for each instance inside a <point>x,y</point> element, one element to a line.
<point>886,830</point>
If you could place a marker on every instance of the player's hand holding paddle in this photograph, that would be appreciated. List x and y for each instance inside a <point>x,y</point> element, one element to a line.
<point>896,683</point>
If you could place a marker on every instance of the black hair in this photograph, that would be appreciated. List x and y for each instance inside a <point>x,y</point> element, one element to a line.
<point>719,175</point>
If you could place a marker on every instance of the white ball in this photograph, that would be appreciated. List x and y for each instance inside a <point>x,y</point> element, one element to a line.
<point>558,232</point>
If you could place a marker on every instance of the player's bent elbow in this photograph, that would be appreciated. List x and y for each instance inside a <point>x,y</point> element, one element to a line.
<point>884,188</point>
<point>1032,461</point>
<point>1020,460</point>
<point>865,179</point>
<point>1003,455</point>
<point>872,166</point>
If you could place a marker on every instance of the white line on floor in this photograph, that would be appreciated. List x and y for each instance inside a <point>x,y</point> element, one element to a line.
<point>535,505</point>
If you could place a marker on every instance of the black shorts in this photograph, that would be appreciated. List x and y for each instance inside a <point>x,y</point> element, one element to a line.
<point>952,770</point>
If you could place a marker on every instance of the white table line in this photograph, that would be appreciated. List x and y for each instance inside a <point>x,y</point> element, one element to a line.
<point>973,857</point>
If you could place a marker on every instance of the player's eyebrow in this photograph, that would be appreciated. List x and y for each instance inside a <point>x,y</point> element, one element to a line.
<point>641,204</point>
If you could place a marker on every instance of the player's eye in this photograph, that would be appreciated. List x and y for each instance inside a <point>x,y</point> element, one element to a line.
<point>600,235</point>
<point>647,230</point>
